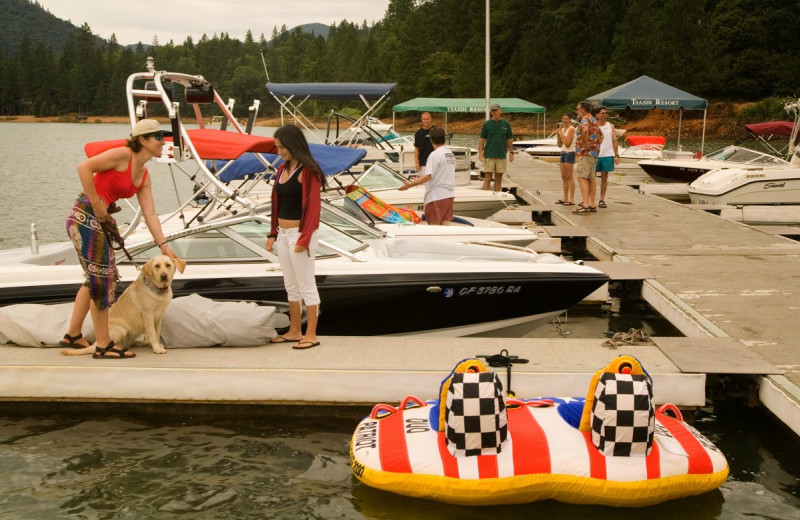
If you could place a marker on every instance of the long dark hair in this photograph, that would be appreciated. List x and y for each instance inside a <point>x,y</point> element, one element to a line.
<point>293,139</point>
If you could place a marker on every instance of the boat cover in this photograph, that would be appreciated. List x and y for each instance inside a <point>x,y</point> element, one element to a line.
<point>190,321</point>
<point>210,144</point>
<point>332,160</point>
<point>639,140</point>
<point>771,128</point>
<point>340,91</point>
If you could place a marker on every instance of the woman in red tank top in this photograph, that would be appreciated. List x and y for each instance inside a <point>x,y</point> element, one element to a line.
<point>107,177</point>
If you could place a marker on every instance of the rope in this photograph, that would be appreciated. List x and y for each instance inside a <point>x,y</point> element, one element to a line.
<point>112,232</point>
<point>632,337</point>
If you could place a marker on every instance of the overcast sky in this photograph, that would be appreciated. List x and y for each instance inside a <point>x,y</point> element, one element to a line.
<point>140,20</point>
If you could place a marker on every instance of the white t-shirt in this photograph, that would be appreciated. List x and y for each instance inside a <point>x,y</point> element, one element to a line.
<point>607,146</point>
<point>441,166</point>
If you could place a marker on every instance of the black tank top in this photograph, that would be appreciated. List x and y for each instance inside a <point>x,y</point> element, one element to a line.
<point>290,194</point>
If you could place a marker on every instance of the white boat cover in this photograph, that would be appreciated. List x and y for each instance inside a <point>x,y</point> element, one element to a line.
<point>190,321</point>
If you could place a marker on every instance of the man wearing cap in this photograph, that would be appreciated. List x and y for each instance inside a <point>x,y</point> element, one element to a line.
<point>494,144</point>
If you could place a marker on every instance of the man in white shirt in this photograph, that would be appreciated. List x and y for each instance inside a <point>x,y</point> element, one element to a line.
<point>608,156</point>
<point>439,179</point>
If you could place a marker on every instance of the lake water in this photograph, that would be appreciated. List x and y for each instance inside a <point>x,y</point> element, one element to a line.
<point>81,461</point>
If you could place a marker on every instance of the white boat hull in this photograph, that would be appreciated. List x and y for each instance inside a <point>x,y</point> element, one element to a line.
<point>743,187</point>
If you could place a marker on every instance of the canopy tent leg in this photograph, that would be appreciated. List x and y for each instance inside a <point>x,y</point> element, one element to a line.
<point>680,118</point>
<point>703,139</point>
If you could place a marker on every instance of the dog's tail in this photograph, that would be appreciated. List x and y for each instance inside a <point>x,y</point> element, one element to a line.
<point>77,351</point>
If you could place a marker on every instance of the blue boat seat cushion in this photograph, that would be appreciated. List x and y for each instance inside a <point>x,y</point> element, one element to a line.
<point>475,414</point>
<point>623,416</point>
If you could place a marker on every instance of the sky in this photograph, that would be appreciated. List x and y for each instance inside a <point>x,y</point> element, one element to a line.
<point>133,21</point>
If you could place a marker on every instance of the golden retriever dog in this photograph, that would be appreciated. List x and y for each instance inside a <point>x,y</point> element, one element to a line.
<point>140,309</point>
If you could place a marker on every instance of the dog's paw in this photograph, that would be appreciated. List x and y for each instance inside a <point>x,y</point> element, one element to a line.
<point>159,349</point>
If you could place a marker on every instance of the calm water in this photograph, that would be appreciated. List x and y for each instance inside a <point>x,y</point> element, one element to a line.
<point>158,464</point>
<point>162,466</point>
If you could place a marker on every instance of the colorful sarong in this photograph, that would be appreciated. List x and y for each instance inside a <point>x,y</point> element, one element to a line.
<point>94,252</point>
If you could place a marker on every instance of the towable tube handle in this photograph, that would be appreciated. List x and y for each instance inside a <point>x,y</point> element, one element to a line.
<point>670,409</point>
<point>536,403</point>
<point>381,411</point>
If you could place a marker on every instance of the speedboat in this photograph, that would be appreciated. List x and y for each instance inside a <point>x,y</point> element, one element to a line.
<point>367,285</point>
<point>748,186</point>
<point>682,167</point>
<point>687,169</point>
<point>367,282</point>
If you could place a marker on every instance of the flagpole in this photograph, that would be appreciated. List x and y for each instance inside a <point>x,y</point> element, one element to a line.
<point>488,79</point>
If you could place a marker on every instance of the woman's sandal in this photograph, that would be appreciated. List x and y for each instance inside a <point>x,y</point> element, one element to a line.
<point>283,339</point>
<point>103,353</point>
<point>559,201</point>
<point>582,209</point>
<point>568,203</point>
<point>72,341</point>
<point>602,204</point>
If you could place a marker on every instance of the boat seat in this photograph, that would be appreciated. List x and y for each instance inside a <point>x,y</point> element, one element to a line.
<point>475,414</point>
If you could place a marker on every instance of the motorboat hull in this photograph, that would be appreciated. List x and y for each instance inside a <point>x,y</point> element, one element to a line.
<point>743,187</point>
<point>674,171</point>
<point>359,304</point>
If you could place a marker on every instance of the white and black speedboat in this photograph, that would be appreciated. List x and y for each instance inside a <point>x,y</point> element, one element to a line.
<point>368,284</point>
<point>368,287</point>
<point>678,167</point>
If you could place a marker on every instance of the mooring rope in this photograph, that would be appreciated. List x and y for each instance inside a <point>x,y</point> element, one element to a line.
<point>632,337</point>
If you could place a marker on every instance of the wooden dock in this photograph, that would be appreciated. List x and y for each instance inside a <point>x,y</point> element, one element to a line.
<point>732,290</point>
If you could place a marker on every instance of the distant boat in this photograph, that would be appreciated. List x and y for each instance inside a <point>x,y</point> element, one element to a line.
<point>683,167</point>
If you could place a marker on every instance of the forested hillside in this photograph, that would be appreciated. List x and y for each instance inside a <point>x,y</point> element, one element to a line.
<point>551,52</point>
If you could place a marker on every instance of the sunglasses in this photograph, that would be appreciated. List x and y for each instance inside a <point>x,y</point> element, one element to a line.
<point>157,137</point>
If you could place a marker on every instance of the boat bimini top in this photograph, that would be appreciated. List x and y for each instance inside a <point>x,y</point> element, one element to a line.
<point>291,97</point>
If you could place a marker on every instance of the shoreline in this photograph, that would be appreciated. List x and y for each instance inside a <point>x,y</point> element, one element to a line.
<point>721,122</point>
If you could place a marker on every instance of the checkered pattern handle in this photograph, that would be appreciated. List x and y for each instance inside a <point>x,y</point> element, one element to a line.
<point>475,414</point>
<point>623,416</point>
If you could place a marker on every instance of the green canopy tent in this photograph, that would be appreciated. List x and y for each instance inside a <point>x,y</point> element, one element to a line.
<point>644,93</point>
<point>466,106</point>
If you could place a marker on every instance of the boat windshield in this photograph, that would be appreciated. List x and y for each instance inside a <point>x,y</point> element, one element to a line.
<point>380,177</point>
<point>244,242</point>
<point>744,155</point>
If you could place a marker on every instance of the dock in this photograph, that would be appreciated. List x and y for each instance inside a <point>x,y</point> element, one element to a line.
<point>731,289</point>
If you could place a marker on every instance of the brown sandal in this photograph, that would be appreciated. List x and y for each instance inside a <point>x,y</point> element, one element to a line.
<point>121,353</point>
<point>72,341</point>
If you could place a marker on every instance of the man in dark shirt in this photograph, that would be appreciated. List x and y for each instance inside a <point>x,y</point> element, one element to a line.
<point>422,142</point>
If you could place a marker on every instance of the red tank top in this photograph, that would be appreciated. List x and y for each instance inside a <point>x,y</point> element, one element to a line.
<point>112,185</point>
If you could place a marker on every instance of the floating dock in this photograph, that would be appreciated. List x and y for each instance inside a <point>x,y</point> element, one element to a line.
<point>732,290</point>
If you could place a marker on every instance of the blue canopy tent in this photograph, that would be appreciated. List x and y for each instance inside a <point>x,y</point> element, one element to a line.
<point>291,97</point>
<point>644,93</point>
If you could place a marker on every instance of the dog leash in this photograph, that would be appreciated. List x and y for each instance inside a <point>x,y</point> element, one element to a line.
<point>111,230</point>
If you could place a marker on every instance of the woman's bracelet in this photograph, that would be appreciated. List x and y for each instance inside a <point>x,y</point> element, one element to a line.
<point>162,243</point>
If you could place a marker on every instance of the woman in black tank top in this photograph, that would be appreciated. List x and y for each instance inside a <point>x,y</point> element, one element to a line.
<point>296,208</point>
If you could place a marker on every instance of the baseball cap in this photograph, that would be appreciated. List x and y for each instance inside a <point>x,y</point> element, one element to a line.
<point>495,107</point>
<point>148,126</point>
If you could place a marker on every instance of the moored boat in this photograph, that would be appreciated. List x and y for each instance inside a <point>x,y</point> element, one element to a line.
<point>747,187</point>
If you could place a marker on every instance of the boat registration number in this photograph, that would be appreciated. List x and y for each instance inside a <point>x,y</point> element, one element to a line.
<point>484,290</point>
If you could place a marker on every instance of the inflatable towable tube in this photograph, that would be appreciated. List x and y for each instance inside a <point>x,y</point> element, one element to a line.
<point>473,446</point>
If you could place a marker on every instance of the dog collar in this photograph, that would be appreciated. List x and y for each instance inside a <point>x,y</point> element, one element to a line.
<point>153,287</point>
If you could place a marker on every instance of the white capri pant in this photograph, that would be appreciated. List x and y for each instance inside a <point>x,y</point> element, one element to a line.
<point>298,268</point>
